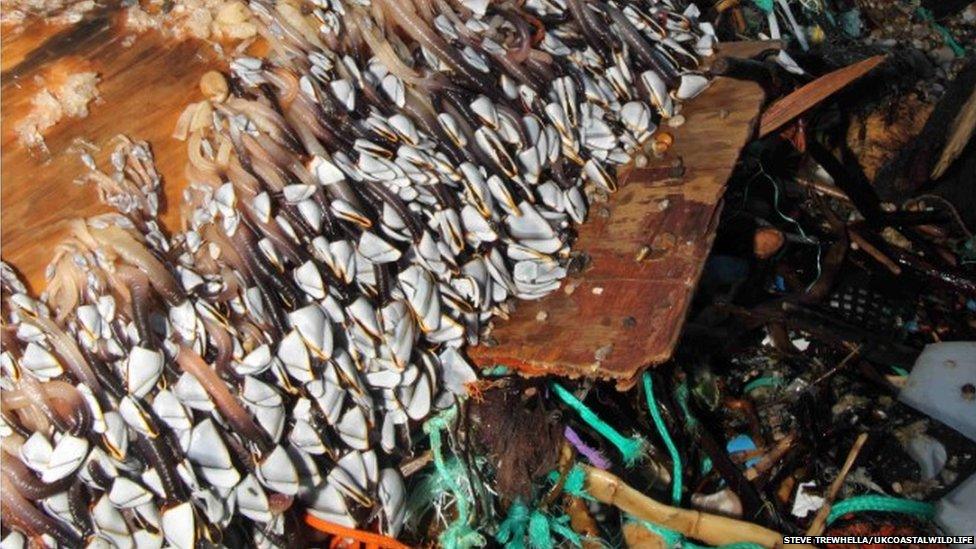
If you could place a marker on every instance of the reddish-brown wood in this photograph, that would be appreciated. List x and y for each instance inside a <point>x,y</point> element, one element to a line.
<point>803,99</point>
<point>642,305</point>
<point>639,307</point>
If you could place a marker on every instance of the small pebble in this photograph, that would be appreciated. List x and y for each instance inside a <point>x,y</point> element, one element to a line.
<point>541,316</point>
<point>570,287</point>
<point>603,352</point>
<point>676,121</point>
<point>640,160</point>
<point>598,290</point>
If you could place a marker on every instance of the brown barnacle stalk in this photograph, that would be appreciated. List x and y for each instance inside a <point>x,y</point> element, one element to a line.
<point>229,405</point>
<point>28,484</point>
<point>57,402</point>
<point>67,349</point>
<point>129,246</point>
<point>133,189</point>
<point>70,276</point>
<point>19,512</point>
<point>400,14</point>
<point>140,298</point>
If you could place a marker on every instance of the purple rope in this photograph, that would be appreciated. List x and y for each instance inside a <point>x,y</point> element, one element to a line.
<point>596,458</point>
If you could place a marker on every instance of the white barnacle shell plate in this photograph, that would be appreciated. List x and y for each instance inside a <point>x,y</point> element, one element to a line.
<point>143,368</point>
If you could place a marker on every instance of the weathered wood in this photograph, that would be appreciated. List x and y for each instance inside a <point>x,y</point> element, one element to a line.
<point>793,105</point>
<point>632,312</point>
<point>642,306</point>
<point>143,88</point>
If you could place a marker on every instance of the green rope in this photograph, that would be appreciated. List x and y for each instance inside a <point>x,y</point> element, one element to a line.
<point>760,382</point>
<point>765,5</point>
<point>575,483</point>
<point>561,526</point>
<point>632,449</point>
<point>458,534</point>
<point>900,371</point>
<point>512,531</point>
<point>663,431</point>
<point>879,503</point>
<point>537,525</point>
<point>540,536</point>
<point>681,394</point>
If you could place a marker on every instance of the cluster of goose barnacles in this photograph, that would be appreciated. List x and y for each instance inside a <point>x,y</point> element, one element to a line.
<point>363,201</point>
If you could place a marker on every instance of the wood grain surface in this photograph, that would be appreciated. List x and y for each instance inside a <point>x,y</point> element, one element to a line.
<point>143,88</point>
<point>631,312</point>
<point>624,315</point>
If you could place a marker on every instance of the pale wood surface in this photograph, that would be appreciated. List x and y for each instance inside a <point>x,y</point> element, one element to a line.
<point>144,87</point>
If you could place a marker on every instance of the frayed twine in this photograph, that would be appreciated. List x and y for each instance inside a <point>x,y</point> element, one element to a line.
<point>595,456</point>
<point>632,449</point>
<point>575,483</point>
<point>458,534</point>
<point>537,526</point>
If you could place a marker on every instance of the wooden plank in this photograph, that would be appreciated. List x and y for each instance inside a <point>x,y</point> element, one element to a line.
<point>144,87</point>
<point>630,313</point>
<point>642,306</point>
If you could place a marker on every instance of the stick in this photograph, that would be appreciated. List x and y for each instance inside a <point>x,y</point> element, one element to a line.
<point>800,101</point>
<point>820,521</point>
<point>711,529</point>
<point>874,252</point>
<point>770,459</point>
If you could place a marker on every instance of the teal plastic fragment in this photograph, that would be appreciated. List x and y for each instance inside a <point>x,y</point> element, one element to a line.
<point>947,37</point>
<point>742,443</point>
<point>760,382</point>
<point>496,371</point>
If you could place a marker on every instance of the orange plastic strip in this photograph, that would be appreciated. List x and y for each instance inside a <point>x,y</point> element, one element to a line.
<point>371,539</point>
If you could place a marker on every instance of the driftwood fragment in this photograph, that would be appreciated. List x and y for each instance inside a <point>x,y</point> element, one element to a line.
<point>793,105</point>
